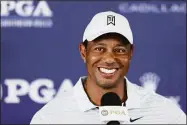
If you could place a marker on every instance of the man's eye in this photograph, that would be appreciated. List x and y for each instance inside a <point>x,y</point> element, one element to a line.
<point>120,50</point>
<point>99,49</point>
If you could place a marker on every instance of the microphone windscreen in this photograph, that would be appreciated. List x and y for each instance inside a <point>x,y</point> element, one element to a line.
<point>110,99</point>
<point>113,123</point>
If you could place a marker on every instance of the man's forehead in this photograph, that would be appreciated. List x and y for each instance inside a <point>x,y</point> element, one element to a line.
<point>108,41</point>
<point>111,37</point>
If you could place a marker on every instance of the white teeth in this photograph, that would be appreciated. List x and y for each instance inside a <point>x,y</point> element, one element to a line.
<point>107,70</point>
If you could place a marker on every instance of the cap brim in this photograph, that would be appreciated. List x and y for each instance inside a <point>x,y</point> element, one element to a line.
<point>96,35</point>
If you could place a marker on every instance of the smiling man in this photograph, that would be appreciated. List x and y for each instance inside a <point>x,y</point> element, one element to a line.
<point>107,59</point>
<point>107,49</point>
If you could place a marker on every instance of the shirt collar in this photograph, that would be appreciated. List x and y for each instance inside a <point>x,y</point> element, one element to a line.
<point>85,104</point>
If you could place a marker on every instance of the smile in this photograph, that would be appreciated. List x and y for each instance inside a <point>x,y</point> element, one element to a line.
<point>107,71</point>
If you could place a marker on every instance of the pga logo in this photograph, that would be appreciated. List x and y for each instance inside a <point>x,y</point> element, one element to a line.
<point>26,8</point>
<point>40,90</point>
<point>104,112</point>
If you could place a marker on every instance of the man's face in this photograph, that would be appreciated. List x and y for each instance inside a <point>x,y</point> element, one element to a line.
<point>107,61</point>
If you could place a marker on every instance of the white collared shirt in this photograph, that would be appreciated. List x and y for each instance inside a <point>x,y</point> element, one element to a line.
<point>74,107</point>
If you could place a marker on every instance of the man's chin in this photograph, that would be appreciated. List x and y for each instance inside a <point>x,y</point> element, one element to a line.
<point>107,85</point>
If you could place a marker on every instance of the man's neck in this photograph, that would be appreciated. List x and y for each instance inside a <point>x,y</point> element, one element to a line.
<point>95,92</point>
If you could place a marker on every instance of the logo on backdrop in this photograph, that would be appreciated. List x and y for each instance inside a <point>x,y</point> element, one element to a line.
<point>150,81</point>
<point>42,90</point>
<point>36,14</point>
<point>148,7</point>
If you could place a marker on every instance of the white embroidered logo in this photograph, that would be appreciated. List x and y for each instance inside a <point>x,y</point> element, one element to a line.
<point>150,82</point>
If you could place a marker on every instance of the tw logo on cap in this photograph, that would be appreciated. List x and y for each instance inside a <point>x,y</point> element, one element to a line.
<point>110,20</point>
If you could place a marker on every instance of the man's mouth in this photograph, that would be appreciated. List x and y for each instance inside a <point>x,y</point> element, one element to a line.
<point>107,72</point>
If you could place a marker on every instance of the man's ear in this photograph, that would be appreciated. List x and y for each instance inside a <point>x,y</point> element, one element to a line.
<point>131,52</point>
<point>82,50</point>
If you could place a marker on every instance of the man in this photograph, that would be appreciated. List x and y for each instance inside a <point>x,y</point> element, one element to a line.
<point>107,50</point>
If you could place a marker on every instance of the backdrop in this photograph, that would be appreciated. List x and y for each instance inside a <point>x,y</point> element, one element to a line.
<point>40,57</point>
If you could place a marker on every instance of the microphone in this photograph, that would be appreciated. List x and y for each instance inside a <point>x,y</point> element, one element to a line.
<point>111,110</point>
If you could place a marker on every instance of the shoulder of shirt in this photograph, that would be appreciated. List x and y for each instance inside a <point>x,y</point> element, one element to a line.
<point>152,99</point>
<point>148,96</point>
<point>64,102</point>
<point>60,105</point>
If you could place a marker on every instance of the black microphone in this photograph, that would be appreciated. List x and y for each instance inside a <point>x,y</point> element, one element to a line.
<point>111,99</point>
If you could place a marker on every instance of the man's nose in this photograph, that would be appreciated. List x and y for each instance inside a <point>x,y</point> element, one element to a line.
<point>109,58</point>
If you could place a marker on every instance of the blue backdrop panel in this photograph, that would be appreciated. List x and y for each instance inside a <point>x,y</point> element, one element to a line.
<point>40,57</point>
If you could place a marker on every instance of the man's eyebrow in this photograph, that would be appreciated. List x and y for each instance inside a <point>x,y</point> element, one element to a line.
<point>97,43</point>
<point>120,45</point>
